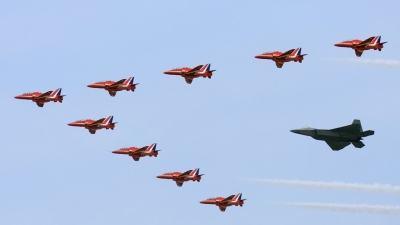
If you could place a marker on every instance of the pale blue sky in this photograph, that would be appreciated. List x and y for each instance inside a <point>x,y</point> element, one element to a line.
<point>234,126</point>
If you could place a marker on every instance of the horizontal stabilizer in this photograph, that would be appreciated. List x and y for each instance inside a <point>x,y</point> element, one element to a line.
<point>358,144</point>
<point>367,133</point>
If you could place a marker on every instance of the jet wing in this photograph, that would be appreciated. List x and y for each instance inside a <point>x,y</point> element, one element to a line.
<point>222,208</point>
<point>286,54</point>
<point>336,146</point>
<point>140,150</point>
<point>44,95</point>
<point>97,122</point>
<point>366,42</point>
<point>359,52</point>
<point>185,174</point>
<point>228,199</point>
<point>354,128</point>
<point>179,183</point>
<point>194,70</point>
<point>188,80</point>
<point>112,93</point>
<point>279,64</point>
<point>117,84</point>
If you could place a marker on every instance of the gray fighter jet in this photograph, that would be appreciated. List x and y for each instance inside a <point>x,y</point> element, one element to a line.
<point>340,137</point>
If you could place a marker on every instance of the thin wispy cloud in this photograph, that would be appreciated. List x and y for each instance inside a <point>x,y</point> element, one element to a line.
<point>354,208</point>
<point>371,188</point>
<point>374,62</point>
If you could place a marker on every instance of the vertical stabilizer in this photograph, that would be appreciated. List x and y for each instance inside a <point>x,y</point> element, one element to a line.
<point>358,123</point>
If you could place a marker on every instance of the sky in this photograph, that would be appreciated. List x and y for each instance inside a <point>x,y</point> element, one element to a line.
<point>234,127</point>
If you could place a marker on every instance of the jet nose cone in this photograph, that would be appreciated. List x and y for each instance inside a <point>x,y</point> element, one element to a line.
<point>90,85</point>
<point>340,44</point>
<point>119,152</point>
<point>159,176</point>
<point>203,202</point>
<point>72,124</point>
<point>18,96</point>
<point>260,56</point>
<point>295,131</point>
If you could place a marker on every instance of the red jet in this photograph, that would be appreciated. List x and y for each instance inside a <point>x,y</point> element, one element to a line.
<point>222,202</point>
<point>137,153</point>
<point>112,87</point>
<point>179,177</point>
<point>189,74</point>
<point>280,58</point>
<point>93,126</point>
<point>359,46</point>
<point>41,98</point>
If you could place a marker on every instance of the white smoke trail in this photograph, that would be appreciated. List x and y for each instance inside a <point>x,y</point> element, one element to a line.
<point>371,188</point>
<point>374,62</point>
<point>359,208</point>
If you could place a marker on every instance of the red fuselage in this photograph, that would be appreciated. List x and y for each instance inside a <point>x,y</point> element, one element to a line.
<point>34,97</point>
<point>107,86</point>
<point>174,176</point>
<point>87,124</point>
<point>353,44</point>
<point>182,72</point>
<point>274,56</point>
<point>217,201</point>
<point>131,152</point>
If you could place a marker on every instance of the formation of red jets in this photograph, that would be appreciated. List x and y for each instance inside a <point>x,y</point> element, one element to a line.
<point>189,74</point>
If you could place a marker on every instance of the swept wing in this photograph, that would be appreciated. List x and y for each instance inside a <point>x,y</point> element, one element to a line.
<point>194,70</point>
<point>95,123</point>
<point>286,54</point>
<point>228,199</point>
<point>353,128</point>
<point>365,42</point>
<point>117,84</point>
<point>185,174</point>
<point>336,145</point>
<point>44,95</point>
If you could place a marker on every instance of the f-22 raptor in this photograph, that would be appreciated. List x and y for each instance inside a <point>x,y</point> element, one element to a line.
<point>340,137</point>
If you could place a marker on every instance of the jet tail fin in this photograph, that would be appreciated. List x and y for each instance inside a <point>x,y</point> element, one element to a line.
<point>358,123</point>
<point>108,120</point>
<point>205,68</point>
<point>237,197</point>
<point>296,52</point>
<point>194,172</point>
<point>55,93</point>
<point>152,147</point>
<point>128,81</point>
<point>367,133</point>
